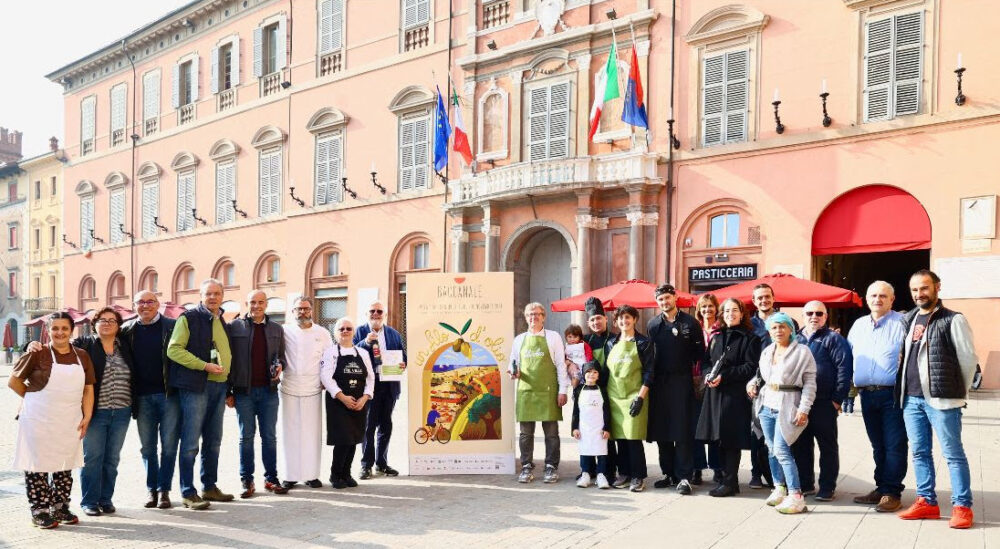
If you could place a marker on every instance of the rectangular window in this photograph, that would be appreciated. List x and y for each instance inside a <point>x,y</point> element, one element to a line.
<point>331,264</point>
<point>116,209</point>
<point>38,190</point>
<point>329,157</point>
<point>12,191</point>
<point>86,222</point>
<point>37,240</point>
<point>150,207</point>
<point>52,236</point>
<point>724,105</point>
<point>53,184</point>
<point>414,152</point>
<point>548,122</point>
<point>12,237</point>
<point>269,183</point>
<point>416,12</point>
<point>421,255</point>
<point>725,231</point>
<point>151,102</point>
<point>225,191</point>
<point>88,124</point>
<point>11,283</point>
<point>185,201</point>
<point>52,286</point>
<point>893,66</point>
<point>331,304</point>
<point>229,275</point>
<point>118,118</point>
<point>274,271</point>
<point>331,25</point>
<point>225,71</point>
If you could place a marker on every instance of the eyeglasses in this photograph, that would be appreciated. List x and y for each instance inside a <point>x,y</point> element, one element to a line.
<point>303,308</point>
<point>106,321</point>
<point>815,313</point>
<point>345,329</point>
<point>146,302</point>
<point>373,311</point>
<point>535,314</point>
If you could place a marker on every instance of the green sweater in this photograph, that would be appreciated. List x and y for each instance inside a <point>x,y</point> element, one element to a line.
<point>177,348</point>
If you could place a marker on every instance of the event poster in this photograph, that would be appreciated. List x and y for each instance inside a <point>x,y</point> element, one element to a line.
<point>459,329</point>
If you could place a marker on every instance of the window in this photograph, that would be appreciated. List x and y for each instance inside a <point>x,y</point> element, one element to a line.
<point>88,121</point>
<point>893,66</point>
<point>548,122</point>
<point>724,88</point>
<point>421,255</point>
<point>274,270</point>
<point>329,157</point>
<point>724,230</point>
<point>116,207</point>
<point>185,201</point>
<point>53,183</point>
<point>185,83</point>
<point>269,48</point>
<point>38,239</point>
<point>52,236</point>
<point>86,222</point>
<point>12,191</point>
<point>151,101</point>
<point>330,304</point>
<point>52,286</point>
<point>414,152</point>
<point>36,286</point>
<point>492,123</point>
<point>185,279</point>
<point>12,237</point>
<point>154,282</point>
<point>331,25</point>
<point>269,187</point>
<point>229,275</point>
<point>331,264</point>
<point>225,191</point>
<point>38,190</point>
<point>226,66</point>
<point>118,117</point>
<point>150,207</point>
<point>11,283</point>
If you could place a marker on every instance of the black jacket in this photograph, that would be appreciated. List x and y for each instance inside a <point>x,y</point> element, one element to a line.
<point>725,412</point>
<point>671,397</point>
<point>241,343</point>
<point>646,356</point>
<point>946,380</point>
<point>127,335</point>
<point>92,344</point>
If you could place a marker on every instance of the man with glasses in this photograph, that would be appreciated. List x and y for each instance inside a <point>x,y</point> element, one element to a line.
<point>376,336</point>
<point>834,369</point>
<point>302,396</point>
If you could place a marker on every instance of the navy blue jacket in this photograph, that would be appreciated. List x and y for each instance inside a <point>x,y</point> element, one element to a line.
<point>393,342</point>
<point>834,363</point>
<point>199,323</point>
<point>127,335</point>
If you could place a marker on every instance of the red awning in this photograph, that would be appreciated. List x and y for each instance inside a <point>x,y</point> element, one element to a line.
<point>637,293</point>
<point>791,291</point>
<point>875,218</point>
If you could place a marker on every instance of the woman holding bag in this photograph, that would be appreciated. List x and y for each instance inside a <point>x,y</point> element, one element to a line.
<point>347,375</point>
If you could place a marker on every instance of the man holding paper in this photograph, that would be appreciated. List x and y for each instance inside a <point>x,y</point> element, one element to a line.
<point>385,346</point>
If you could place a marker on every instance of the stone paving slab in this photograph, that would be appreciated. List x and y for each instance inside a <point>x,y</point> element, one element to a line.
<point>490,511</point>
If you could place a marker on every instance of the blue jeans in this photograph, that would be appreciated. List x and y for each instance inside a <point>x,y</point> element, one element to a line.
<point>201,417</point>
<point>921,418</point>
<point>159,420</point>
<point>887,433</point>
<point>102,448</point>
<point>260,407</point>
<point>779,454</point>
<point>594,465</point>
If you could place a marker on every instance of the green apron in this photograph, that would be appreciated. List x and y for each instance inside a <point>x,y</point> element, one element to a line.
<point>624,381</point>
<point>599,356</point>
<point>538,384</point>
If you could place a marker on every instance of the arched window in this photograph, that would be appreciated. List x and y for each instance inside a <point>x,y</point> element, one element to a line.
<point>185,285</point>
<point>724,230</point>
<point>225,271</point>
<point>412,254</point>
<point>150,280</point>
<point>116,287</point>
<point>326,283</point>
<point>88,293</point>
<point>267,271</point>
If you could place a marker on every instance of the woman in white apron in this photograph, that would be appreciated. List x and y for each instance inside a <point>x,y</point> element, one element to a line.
<point>57,384</point>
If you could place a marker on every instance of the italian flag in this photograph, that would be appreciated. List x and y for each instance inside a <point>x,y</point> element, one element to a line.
<point>461,142</point>
<point>605,89</point>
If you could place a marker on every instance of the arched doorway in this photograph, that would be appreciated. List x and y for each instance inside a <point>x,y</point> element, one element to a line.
<point>876,232</point>
<point>542,261</point>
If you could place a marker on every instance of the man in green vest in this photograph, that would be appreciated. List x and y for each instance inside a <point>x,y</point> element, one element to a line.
<point>538,363</point>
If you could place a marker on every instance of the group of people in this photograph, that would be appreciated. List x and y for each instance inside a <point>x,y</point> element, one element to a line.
<point>175,378</point>
<point>728,379</point>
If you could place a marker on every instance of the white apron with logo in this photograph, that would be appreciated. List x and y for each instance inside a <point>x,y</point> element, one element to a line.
<point>591,405</point>
<point>47,437</point>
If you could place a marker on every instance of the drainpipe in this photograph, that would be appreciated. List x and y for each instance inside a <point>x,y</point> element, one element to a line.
<point>668,215</point>
<point>135,188</point>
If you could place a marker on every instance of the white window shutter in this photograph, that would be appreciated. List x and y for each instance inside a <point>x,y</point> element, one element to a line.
<point>86,222</point>
<point>224,195</point>
<point>258,52</point>
<point>116,216</point>
<point>423,11</point>
<point>185,201</point>
<point>234,64</point>
<point>736,95</point>
<point>322,185</point>
<point>150,207</point>
<point>337,25</point>
<point>151,95</point>
<point>335,192</point>
<point>878,69</point>
<point>195,76</point>
<point>175,86</point>
<point>712,99</point>
<point>406,130</point>
<point>325,26</point>
<point>275,186</point>
<point>264,200</point>
<point>409,13</point>
<point>88,118</point>
<point>213,76</point>
<point>538,107</point>
<point>907,62</point>
<point>559,120</point>
<point>118,100</point>
<point>421,152</point>
<point>280,47</point>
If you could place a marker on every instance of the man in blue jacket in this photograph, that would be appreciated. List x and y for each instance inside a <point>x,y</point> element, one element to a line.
<point>376,336</point>
<point>834,369</point>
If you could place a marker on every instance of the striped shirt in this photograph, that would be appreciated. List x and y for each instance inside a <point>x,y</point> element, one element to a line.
<point>116,387</point>
<point>876,346</point>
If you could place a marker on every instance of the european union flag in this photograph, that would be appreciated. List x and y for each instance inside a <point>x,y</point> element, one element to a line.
<point>442,131</point>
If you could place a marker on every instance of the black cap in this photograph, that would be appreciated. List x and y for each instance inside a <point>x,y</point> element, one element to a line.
<point>593,307</point>
<point>665,289</point>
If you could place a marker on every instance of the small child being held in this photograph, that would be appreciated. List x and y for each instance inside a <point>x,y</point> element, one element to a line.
<point>591,426</point>
<point>577,352</point>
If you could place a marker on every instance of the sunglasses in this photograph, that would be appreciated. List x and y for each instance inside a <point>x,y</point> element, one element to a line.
<point>815,313</point>
<point>373,311</point>
<point>345,329</point>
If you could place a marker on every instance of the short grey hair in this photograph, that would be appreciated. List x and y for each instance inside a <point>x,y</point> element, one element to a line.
<point>305,299</point>
<point>209,282</point>
<point>884,285</point>
<point>255,292</point>
<point>532,306</point>
<point>340,322</point>
<point>138,295</point>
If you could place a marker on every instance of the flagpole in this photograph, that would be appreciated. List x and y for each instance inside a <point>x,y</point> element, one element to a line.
<point>632,30</point>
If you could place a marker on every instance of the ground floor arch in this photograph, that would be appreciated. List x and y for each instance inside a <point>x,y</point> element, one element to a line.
<point>542,259</point>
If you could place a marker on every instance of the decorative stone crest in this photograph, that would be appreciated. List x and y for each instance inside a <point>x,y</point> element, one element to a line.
<point>548,13</point>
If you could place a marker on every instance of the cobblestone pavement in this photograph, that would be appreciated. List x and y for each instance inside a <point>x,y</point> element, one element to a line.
<point>479,511</point>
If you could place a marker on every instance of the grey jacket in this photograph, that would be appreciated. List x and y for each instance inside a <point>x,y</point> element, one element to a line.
<point>799,369</point>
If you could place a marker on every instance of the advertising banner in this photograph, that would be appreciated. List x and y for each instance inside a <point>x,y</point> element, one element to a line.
<point>459,328</point>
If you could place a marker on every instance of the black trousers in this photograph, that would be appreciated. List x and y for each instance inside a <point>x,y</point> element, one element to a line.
<point>343,457</point>
<point>44,493</point>
<point>677,458</point>
<point>822,431</point>
<point>760,467</point>
<point>730,466</point>
<point>375,449</point>
<point>631,458</point>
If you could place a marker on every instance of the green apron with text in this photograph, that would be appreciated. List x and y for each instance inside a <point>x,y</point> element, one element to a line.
<point>538,384</point>
<point>624,381</point>
<point>599,356</point>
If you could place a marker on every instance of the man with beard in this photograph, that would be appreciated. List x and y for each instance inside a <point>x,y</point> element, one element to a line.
<point>679,344</point>
<point>302,396</point>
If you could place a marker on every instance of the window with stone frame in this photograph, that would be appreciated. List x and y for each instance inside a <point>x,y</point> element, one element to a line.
<point>893,65</point>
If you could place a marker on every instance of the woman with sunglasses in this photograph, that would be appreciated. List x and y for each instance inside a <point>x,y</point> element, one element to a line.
<point>347,375</point>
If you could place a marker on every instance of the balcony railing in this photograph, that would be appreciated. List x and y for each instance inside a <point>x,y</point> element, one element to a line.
<point>270,83</point>
<point>416,37</point>
<point>87,147</point>
<point>150,125</point>
<point>185,114</point>
<point>226,99</point>
<point>117,137</point>
<point>41,304</point>
<point>538,176</point>
<point>330,63</point>
<point>495,13</point>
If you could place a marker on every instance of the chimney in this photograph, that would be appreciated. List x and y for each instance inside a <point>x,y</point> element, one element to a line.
<point>53,144</point>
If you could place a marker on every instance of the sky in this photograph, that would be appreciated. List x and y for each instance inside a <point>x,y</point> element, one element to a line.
<point>47,36</point>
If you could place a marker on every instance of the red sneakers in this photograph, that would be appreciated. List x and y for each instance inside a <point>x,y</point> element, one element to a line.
<point>923,510</point>
<point>961,517</point>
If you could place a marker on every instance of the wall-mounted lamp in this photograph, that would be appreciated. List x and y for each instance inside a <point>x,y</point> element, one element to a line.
<point>299,201</point>
<point>778,126</point>
<point>156,223</point>
<point>674,142</point>
<point>95,237</point>
<point>285,84</point>
<point>612,14</point>
<point>121,227</point>
<point>353,194</point>
<point>380,188</point>
<point>492,44</point>
<point>194,215</point>
<point>71,244</point>
<point>237,210</point>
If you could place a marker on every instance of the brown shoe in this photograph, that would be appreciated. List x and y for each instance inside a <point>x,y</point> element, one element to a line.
<point>214,494</point>
<point>888,504</point>
<point>871,498</point>
<point>248,489</point>
<point>152,499</point>
<point>164,501</point>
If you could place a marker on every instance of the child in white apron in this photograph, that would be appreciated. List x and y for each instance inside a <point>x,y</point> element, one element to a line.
<point>591,421</point>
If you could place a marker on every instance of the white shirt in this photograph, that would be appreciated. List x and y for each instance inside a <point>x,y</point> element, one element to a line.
<point>329,366</point>
<point>555,344</point>
<point>303,353</point>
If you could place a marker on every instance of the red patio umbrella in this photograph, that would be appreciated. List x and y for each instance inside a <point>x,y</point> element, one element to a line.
<point>637,293</point>
<point>792,291</point>
<point>8,336</point>
<point>127,314</point>
<point>171,310</point>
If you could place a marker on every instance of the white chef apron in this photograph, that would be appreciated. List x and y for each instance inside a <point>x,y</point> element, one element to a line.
<point>47,437</point>
<point>591,405</point>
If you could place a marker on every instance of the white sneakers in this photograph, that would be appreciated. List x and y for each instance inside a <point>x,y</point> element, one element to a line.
<point>792,505</point>
<point>777,495</point>
<point>602,481</point>
<point>584,480</point>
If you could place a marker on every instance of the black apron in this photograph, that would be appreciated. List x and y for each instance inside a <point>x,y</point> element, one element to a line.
<point>344,426</point>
